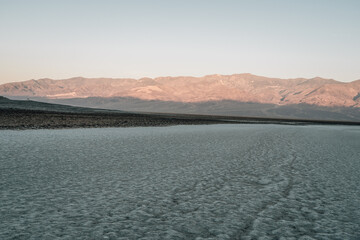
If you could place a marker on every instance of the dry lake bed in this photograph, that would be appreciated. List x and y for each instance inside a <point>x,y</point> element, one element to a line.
<point>248,181</point>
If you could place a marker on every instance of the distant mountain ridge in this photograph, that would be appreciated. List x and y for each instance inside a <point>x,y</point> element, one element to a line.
<point>237,87</point>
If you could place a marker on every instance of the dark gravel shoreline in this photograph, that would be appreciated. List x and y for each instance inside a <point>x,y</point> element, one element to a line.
<point>39,119</point>
<point>21,119</point>
<point>25,114</point>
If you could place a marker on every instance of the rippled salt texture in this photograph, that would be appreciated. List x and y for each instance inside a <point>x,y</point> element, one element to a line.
<point>183,182</point>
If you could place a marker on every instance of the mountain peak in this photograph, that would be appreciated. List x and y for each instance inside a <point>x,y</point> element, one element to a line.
<point>244,87</point>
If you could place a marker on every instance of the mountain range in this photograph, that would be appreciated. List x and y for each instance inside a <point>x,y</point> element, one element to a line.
<point>195,94</point>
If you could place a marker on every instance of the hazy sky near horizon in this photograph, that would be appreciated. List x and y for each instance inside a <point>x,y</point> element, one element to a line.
<point>107,38</point>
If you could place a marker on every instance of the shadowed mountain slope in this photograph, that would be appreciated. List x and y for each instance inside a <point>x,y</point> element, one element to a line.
<point>25,114</point>
<point>221,108</point>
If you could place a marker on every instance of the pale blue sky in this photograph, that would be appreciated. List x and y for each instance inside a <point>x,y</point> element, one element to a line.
<point>104,38</point>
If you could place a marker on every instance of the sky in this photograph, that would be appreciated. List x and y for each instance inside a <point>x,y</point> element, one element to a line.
<point>103,38</point>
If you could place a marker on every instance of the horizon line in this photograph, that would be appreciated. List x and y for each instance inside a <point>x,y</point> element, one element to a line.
<point>178,76</point>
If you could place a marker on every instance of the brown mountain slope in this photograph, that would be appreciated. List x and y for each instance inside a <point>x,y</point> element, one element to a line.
<point>237,87</point>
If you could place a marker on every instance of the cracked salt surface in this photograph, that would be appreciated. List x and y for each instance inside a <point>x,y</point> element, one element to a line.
<point>181,182</point>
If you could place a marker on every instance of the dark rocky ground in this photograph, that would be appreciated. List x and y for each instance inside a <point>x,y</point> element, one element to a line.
<point>16,114</point>
<point>37,119</point>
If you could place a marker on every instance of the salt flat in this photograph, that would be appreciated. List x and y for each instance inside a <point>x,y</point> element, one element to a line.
<point>181,182</point>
